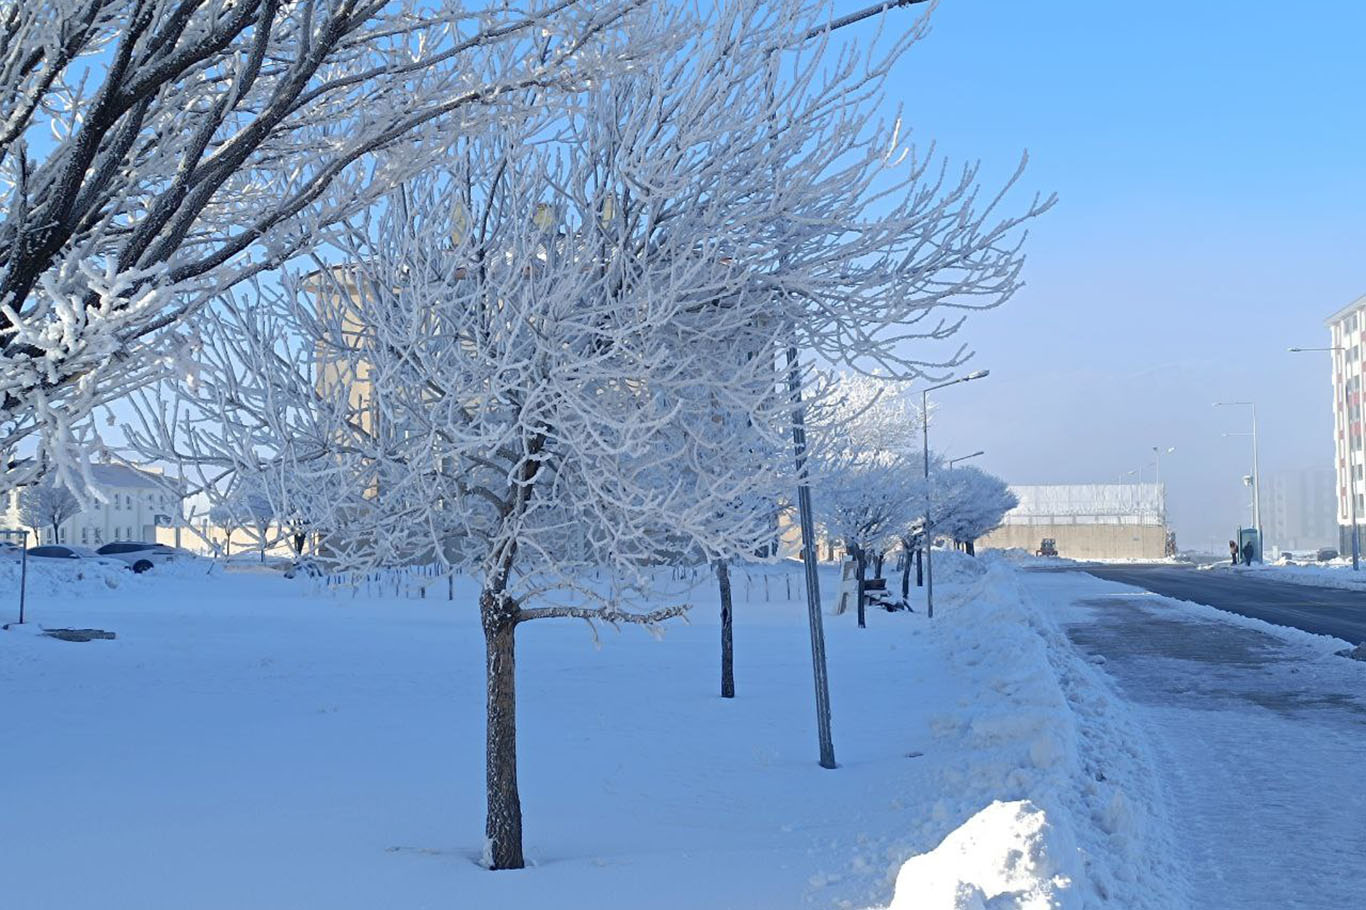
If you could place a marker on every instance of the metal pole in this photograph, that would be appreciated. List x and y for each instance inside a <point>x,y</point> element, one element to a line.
<point>813,584</point>
<point>859,16</point>
<point>925,543</point>
<point>1351,469</point>
<point>23,574</point>
<point>1256,481</point>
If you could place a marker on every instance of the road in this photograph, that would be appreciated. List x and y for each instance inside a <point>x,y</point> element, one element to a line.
<point>1324,611</point>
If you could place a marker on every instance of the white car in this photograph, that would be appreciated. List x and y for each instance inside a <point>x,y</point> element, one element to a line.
<point>66,551</point>
<point>141,556</point>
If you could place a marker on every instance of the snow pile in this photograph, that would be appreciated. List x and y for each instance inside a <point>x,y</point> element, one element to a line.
<point>1322,576</point>
<point>1034,721</point>
<point>955,567</point>
<point>1008,855</point>
<point>68,577</point>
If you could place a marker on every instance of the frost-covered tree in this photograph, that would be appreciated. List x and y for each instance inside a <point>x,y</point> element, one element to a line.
<point>866,472</point>
<point>247,509</point>
<point>968,503</point>
<point>557,351</point>
<point>47,506</point>
<point>156,152</point>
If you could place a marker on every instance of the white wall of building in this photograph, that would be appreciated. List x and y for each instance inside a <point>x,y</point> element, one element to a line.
<point>135,502</point>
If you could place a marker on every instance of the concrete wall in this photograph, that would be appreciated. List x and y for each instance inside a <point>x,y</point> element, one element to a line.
<point>1084,541</point>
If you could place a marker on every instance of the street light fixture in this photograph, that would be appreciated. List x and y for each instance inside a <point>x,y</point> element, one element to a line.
<point>925,439</point>
<point>954,461</point>
<point>1346,444</point>
<point>1256,472</point>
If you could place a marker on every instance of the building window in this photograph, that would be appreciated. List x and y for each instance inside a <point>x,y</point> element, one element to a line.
<point>85,536</point>
<point>99,537</point>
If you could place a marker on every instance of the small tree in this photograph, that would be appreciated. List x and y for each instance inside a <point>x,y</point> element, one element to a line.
<point>251,510</point>
<point>556,352</point>
<point>968,503</point>
<point>47,505</point>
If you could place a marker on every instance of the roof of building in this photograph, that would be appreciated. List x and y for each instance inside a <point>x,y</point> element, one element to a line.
<point>1349,309</point>
<point>1087,499</point>
<point>125,477</point>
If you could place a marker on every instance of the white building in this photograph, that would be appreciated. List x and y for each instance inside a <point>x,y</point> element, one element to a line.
<point>1086,521</point>
<point>135,504</point>
<point>1348,328</point>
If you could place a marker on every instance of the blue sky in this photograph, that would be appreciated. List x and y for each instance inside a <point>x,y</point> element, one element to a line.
<point>1209,160</point>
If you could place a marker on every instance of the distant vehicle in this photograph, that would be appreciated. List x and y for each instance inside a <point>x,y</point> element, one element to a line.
<point>67,551</point>
<point>8,549</point>
<point>139,555</point>
<point>1325,554</point>
<point>1049,547</point>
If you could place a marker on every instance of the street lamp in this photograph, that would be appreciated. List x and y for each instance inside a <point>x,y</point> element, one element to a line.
<point>1346,445</point>
<point>954,461</point>
<point>1159,452</point>
<point>925,437</point>
<point>1256,474</point>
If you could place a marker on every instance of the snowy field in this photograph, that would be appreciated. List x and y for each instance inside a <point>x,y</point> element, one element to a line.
<point>250,741</point>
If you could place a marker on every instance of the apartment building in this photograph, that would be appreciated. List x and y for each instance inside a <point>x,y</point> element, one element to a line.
<point>1347,328</point>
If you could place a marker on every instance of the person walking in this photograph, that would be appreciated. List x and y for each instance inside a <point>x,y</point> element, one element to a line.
<point>1248,550</point>
<point>1233,553</point>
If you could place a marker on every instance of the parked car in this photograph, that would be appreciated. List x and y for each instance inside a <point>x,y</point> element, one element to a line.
<point>68,551</point>
<point>1326,554</point>
<point>139,555</point>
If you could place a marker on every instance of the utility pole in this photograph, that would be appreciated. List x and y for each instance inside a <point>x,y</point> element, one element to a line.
<point>928,542</point>
<point>1256,472</point>
<point>808,524</point>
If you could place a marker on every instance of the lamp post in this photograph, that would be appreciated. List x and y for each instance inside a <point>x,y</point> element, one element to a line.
<point>954,461</point>
<point>925,438</point>
<point>1256,473</point>
<point>1346,445</point>
<point>1158,451</point>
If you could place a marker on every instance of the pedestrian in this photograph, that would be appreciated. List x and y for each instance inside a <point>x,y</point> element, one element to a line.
<point>1233,552</point>
<point>1248,550</point>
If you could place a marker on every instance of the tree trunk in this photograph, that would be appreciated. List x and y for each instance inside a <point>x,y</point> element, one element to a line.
<point>970,546</point>
<point>906,571</point>
<point>727,641</point>
<point>860,572</point>
<point>503,824</point>
<point>877,563</point>
<point>920,567</point>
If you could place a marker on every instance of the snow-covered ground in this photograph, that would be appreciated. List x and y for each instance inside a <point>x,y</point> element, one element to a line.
<point>1323,576</point>
<point>248,742</point>
<point>1257,733</point>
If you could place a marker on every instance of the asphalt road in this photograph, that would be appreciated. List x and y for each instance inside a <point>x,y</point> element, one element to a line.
<point>1325,611</point>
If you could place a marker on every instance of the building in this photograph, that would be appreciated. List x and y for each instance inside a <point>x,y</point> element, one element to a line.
<point>1348,332</point>
<point>1087,521</point>
<point>136,504</point>
<point>1299,510</point>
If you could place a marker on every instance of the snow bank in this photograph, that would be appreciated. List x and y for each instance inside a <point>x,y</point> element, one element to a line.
<point>1341,577</point>
<point>66,577</point>
<point>1037,725</point>
<point>1008,855</point>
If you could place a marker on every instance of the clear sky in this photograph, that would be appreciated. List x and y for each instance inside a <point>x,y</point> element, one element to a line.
<point>1210,160</point>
